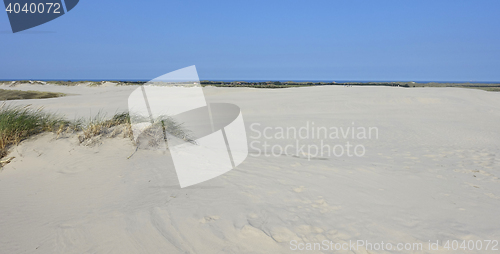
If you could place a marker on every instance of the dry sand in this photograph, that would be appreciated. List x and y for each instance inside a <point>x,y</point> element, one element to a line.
<point>433,174</point>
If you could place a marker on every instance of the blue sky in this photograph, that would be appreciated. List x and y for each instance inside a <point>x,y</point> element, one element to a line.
<point>445,40</point>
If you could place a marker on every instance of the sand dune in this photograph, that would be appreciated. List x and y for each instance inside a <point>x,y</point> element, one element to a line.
<point>432,174</point>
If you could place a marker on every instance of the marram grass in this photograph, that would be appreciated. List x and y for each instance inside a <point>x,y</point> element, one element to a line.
<point>19,123</point>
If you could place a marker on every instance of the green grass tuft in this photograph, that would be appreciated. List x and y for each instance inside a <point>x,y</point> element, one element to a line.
<point>19,123</point>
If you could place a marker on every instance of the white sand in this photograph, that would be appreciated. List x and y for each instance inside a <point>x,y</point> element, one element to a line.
<point>433,174</point>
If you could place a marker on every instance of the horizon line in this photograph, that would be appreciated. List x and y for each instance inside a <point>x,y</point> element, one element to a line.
<point>262,80</point>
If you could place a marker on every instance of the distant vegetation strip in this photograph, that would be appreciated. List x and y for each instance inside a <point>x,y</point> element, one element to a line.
<point>68,82</point>
<point>278,84</point>
<point>22,95</point>
<point>272,84</point>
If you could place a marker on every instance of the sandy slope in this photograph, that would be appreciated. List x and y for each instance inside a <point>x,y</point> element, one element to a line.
<point>431,175</point>
<point>82,101</point>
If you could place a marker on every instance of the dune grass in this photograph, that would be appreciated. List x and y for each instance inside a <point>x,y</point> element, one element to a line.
<point>99,125</point>
<point>22,95</point>
<point>19,123</point>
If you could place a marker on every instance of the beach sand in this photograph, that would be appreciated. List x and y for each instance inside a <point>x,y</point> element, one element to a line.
<point>432,174</point>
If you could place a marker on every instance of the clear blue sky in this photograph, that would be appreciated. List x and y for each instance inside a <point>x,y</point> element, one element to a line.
<point>441,40</point>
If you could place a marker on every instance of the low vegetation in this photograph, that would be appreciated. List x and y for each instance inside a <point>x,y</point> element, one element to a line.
<point>23,95</point>
<point>99,125</point>
<point>20,123</point>
<point>287,84</point>
<point>494,87</point>
<point>486,88</point>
